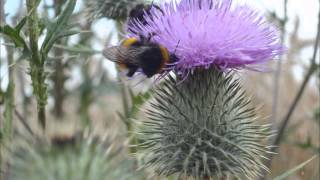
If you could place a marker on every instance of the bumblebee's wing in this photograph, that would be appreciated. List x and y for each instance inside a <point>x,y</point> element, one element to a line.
<point>115,53</point>
<point>122,54</point>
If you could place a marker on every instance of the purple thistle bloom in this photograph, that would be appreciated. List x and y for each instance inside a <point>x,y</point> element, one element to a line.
<point>211,33</point>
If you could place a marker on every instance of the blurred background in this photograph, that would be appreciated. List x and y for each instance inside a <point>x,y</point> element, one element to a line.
<point>85,93</point>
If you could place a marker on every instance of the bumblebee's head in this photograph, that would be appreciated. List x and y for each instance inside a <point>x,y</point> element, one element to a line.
<point>137,14</point>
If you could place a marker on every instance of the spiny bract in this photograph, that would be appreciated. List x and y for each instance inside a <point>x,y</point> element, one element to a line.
<point>203,127</point>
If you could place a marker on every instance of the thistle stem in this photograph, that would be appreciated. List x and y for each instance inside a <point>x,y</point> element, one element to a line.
<point>58,76</point>
<point>36,63</point>
<point>9,97</point>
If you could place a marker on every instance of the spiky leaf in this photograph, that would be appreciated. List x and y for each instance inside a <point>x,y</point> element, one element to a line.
<point>71,159</point>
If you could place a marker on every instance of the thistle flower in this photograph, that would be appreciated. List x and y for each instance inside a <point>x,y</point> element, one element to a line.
<point>204,127</point>
<point>72,158</point>
<point>113,9</point>
<point>211,33</point>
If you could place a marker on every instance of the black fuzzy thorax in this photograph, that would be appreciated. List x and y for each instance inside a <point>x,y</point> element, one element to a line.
<point>150,61</point>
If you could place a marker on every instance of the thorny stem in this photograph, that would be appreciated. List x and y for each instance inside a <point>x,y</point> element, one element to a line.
<point>36,63</point>
<point>86,92</point>
<point>86,97</point>
<point>58,76</point>
<point>311,70</point>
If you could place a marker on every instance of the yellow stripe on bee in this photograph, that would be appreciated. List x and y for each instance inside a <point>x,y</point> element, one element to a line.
<point>128,42</point>
<point>165,55</point>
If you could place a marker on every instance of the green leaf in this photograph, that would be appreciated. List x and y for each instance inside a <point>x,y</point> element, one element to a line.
<point>43,23</point>
<point>13,35</point>
<point>58,28</point>
<point>293,170</point>
<point>20,25</point>
<point>67,33</point>
<point>77,49</point>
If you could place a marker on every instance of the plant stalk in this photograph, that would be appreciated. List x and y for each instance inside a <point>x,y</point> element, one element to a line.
<point>9,98</point>
<point>58,75</point>
<point>37,70</point>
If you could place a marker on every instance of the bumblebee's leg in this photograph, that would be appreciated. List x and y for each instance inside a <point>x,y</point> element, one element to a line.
<point>150,35</point>
<point>147,39</point>
<point>132,70</point>
<point>142,38</point>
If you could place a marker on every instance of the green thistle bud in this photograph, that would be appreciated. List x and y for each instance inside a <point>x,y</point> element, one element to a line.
<point>203,127</point>
<point>71,158</point>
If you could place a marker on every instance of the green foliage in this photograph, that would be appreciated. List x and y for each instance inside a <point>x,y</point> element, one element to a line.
<point>71,158</point>
<point>203,127</point>
<point>289,172</point>
<point>77,49</point>
<point>59,28</point>
<point>14,34</point>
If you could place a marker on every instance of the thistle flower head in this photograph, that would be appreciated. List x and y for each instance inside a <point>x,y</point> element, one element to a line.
<point>203,127</point>
<point>113,9</point>
<point>211,33</point>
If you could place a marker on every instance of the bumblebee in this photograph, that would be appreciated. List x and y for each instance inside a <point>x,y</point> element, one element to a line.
<point>135,54</point>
